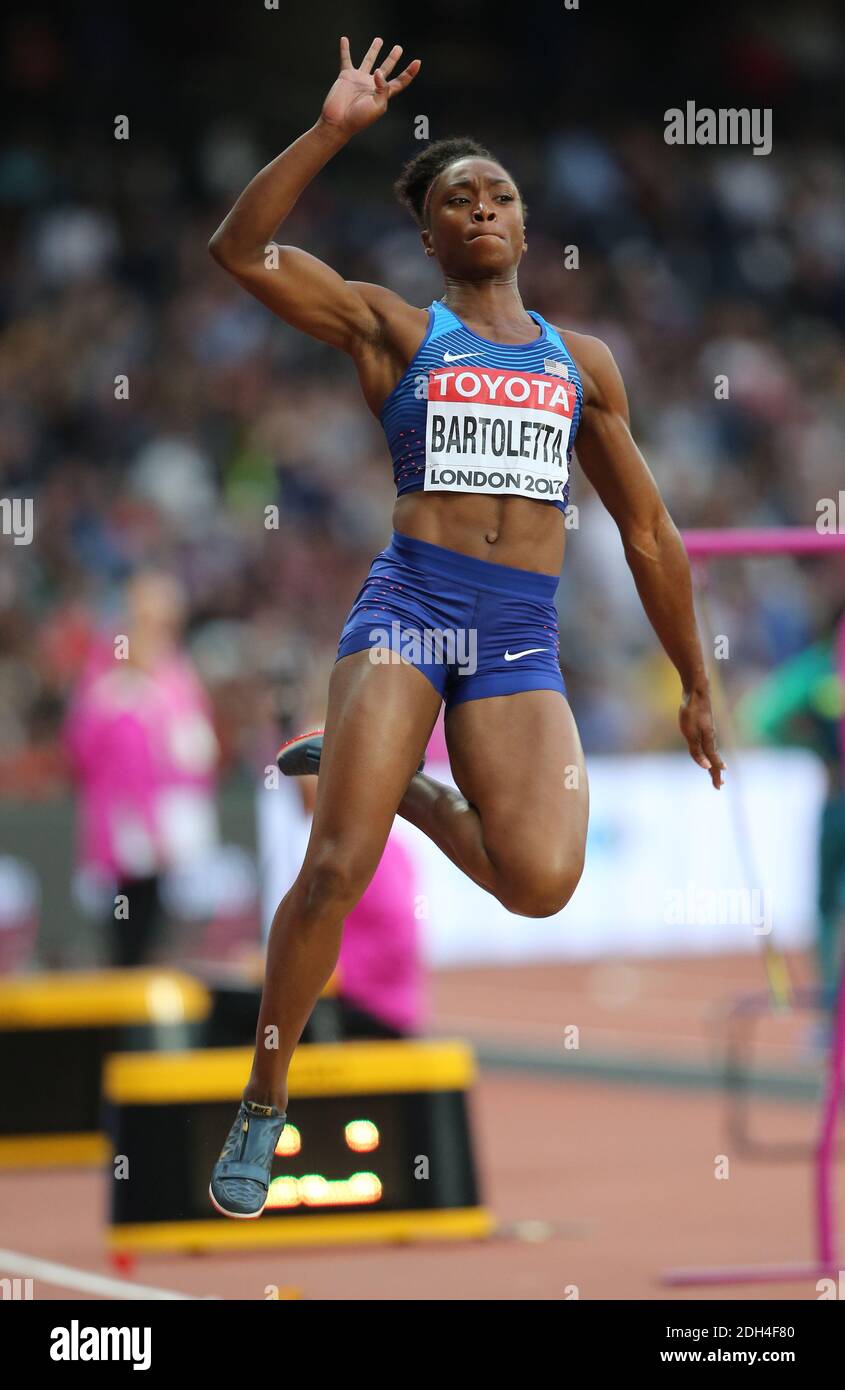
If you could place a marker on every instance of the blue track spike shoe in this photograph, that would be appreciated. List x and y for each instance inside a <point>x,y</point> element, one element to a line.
<point>300,756</point>
<point>241,1177</point>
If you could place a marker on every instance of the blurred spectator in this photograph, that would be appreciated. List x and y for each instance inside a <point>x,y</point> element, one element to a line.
<point>380,975</point>
<point>803,701</point>
<point>143,752</point>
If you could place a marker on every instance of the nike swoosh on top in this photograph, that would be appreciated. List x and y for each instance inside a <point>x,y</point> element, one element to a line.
<point>514,656</point>
<point>455,356</point>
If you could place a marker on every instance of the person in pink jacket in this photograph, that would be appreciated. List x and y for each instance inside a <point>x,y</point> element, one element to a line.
<point>380,971</point>
<point>143,752</point>
<point>380,979</point>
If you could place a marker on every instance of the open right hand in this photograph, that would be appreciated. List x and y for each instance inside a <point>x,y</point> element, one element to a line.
<point>360,95</point>
<point>696,721</point>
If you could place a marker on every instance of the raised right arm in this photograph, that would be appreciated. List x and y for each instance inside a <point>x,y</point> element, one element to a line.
<point>301,289</point>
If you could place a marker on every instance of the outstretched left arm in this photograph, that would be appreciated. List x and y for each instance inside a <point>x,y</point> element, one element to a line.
<point>653,546</point>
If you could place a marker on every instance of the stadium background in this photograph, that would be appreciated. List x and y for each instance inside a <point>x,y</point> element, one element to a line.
<point>692,262</point>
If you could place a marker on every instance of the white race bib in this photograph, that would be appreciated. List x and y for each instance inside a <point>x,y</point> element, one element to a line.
<point>497,431</point>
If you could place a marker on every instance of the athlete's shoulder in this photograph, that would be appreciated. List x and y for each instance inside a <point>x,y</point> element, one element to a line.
<point>586,348</point>
<point>596,364</point>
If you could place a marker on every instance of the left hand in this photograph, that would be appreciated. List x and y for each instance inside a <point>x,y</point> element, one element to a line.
<point>696,721</point>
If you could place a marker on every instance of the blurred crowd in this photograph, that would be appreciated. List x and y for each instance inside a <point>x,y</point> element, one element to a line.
<point>163,420</point>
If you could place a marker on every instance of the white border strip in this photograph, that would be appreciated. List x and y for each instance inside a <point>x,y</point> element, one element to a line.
<point>22,1266</point>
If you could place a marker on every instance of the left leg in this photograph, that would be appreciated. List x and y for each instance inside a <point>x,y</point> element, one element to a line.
<point>518,826</point>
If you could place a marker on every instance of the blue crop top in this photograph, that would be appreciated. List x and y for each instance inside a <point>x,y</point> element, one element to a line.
<point>471,415</point>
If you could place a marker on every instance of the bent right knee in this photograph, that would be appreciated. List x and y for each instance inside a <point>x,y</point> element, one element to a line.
<point>331,885</point>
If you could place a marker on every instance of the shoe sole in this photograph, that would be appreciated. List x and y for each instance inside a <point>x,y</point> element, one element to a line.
<point>299,739</point>
<point>235,1215</point>
<point>303,738</point>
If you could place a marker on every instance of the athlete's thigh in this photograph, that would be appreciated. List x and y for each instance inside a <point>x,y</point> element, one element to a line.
<point>518,759</point>
<point>379,720</point>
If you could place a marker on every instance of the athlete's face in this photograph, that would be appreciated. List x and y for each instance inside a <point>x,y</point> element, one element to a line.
<point>475,224</point>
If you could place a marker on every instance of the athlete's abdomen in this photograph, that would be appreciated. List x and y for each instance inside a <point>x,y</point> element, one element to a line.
<point>510,531</point>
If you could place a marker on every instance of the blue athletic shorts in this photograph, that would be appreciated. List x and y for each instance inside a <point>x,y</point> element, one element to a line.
<point>475,629</point>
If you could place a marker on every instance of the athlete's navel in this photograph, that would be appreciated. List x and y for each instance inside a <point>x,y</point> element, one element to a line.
<point>491,537</point>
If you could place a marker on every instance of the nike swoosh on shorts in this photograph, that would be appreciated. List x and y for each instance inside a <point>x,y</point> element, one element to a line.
<point>514,656</point>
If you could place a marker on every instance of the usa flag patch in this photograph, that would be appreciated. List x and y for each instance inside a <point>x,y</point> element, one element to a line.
<point>556,368</point>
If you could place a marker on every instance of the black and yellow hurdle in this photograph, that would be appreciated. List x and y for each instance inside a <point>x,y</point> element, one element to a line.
<point>378,1147</point>
<point>55,1032</point>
